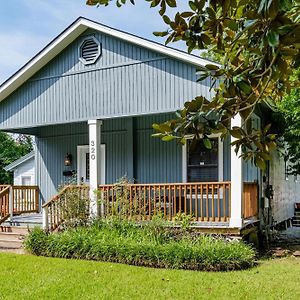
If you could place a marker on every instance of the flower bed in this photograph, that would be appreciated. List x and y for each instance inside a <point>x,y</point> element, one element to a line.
<point>150,245</point>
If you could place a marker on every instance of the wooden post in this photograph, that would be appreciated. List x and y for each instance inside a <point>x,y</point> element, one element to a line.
<point>95,165</point>
<point>45,218</point>
<point>236,181</point>
<point>37,202</point>
<point>11,203</point>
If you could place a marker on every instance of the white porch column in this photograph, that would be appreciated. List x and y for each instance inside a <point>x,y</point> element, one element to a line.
<point>95,163</point>
<point>236,181</point>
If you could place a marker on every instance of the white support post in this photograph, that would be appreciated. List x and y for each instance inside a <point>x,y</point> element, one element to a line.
<point>236,181</point>
<point>45,218</point>
<point>11,203</point>
<point>95,164</point>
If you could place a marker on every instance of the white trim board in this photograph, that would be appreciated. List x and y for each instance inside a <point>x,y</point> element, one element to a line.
<point>74,31</point>
<point>220,159</point>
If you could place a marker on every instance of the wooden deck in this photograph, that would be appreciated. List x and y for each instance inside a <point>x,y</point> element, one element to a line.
<point>16,200</point>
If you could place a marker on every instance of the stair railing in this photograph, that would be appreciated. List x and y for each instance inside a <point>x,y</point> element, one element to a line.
<point>5,204</point>
<point>60,207</point>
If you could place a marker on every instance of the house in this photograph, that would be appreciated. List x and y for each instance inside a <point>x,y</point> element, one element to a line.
<point>90,98</point>
<point>23,170</point>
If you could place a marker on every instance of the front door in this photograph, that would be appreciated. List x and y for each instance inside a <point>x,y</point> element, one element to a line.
<point>83,164</point>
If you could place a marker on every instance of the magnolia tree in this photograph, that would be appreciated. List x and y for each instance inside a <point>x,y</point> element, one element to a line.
<point>258,42</point>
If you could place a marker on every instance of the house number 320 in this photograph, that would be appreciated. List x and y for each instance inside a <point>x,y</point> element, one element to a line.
<point>93,150</point>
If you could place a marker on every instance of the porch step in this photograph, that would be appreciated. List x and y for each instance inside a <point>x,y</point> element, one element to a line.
<point>296,223</point>
<point>14,229</point>
<point>11,238</point>
<point>296,219</point>
<point>13,232</point>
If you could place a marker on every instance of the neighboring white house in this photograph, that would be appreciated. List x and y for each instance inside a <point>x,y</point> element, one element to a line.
<point>23,169</point>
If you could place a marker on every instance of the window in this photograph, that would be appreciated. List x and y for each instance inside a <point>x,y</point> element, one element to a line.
<point>201,164</point>
<point>26,180</point>
<point>89,50</point>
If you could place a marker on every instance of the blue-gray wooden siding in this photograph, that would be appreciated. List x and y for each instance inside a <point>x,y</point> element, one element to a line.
<point>250,172</point>
<point>130,151</point>
<point>127,80</point>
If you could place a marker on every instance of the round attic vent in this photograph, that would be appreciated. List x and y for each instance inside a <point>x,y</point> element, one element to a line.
<point>89,51</point>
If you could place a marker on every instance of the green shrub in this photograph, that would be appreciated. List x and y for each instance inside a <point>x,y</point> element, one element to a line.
<point>74,207</point>
<point>143,245</point>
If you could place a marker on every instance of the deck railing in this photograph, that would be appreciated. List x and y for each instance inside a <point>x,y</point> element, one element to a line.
<point>70,202</point>
<point>4,204</point>
<point>250,200</point>
<point>25,198</point>
<point>16,200</point>
<point>3,186</point>
<point>209,201</point>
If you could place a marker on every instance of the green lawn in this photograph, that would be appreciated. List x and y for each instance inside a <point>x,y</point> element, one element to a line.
<point>30,277</point>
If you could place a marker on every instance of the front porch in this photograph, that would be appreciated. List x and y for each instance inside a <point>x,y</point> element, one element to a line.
<point>207,204</point>
<point>215,190</point>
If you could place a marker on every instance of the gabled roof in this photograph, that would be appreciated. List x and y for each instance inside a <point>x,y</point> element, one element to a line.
<point>19,161</point>
<point>70,34</point>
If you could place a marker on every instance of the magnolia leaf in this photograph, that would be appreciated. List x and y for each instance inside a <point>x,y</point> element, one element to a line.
<point>260,162</point>
<point>273,38</point>
<point>236,133</point>
<point>166,19</point>
<point>161,34</point>
<point>171,3</point>
<point>168,138</point>
<point>267,128</point>
<point>211,67</point>
<point>245,87</point>
<point>183,141</point>
<point>207,143</point>
<point>187,14</point>
<point>265,156</point>
<point>193,6</point>
<point>233,25</point>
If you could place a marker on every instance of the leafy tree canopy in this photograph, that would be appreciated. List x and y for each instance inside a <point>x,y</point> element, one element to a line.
<point>258,42</point>
<point>288,119</point>
<point>10,150</point>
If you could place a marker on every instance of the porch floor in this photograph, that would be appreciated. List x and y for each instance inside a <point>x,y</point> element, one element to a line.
<point>24,220</point>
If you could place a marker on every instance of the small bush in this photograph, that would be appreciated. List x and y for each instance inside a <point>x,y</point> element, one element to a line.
<point>142,245</point>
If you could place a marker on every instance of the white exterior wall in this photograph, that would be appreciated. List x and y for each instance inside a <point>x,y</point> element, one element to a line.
<point>25,169</point>
<point>286,192</point>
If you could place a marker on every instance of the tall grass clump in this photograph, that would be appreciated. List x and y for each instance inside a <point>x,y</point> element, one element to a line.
<point>142,245</point>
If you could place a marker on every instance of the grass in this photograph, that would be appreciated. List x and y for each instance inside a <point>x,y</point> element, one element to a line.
<point>148,245</point>
<point>32,277</point>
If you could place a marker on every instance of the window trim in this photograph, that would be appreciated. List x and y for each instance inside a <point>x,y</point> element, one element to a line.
<point>220,158</point>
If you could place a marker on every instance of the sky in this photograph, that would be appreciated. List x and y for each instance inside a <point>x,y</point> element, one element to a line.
<point>26,26</point>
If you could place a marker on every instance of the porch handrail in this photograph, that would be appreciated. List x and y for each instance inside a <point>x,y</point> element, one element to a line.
<point>4,204</point>
<point>162,184</point>
<point>56,197</point>
<point>53,210</point>
<point>203,201</point>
